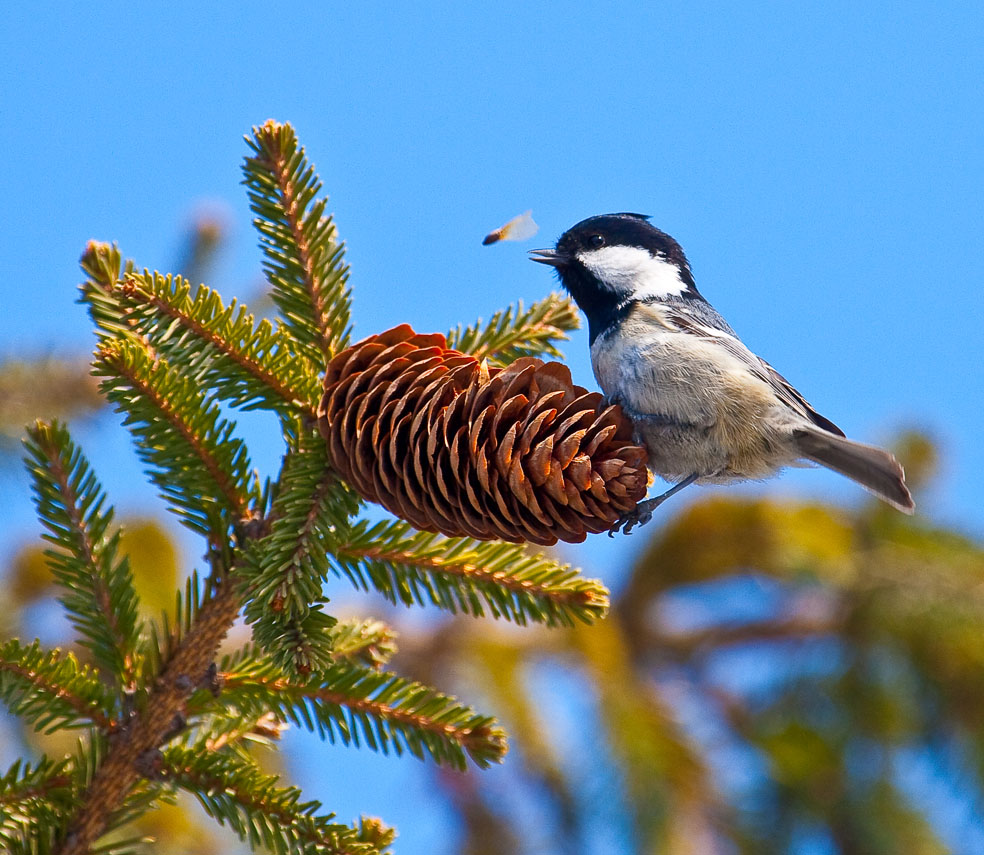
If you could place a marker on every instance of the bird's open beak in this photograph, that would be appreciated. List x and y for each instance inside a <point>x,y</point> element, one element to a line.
<point>549,256</point>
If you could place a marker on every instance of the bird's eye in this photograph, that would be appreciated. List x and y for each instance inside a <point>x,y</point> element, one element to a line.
<point>595,241</point>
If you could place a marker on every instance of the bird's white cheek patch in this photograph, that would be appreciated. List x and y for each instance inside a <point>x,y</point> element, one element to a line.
<point>632,270</point>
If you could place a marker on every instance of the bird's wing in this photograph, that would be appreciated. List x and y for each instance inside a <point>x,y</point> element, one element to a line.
<point>722,334</point>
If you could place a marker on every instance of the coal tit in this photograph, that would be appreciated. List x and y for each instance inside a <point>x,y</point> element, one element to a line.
<point>708,410</point>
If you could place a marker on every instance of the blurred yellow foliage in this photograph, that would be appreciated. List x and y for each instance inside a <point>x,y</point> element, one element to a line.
<point>154,561</point>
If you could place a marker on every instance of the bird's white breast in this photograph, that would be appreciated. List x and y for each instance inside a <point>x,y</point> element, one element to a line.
<point>656,369</point>
<point>693,402</point>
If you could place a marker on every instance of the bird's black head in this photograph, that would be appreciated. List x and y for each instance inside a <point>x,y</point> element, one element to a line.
<point>611,261</point>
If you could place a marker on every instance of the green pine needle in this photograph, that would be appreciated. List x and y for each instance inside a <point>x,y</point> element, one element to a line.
<point>363,642</point>
<point>51,689</point>
<point>465,575</point>
<point>33,798</point>
<point>161,641</point>
<point>103,266</point>
<point>249,365</point>
<point>285,570</point>
<point>200,468</point>
<point>515,332</point>
<point>99,595</point>
<point>304,259</point>
<point>355,704</point>
<point>233,790</point>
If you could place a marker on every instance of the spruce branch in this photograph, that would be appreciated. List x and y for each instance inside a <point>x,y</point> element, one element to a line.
<point>287,567</point>
<point>51,689</point>
<point>363,642</point>
<point>261,812</point>
<point>145,795</point>
<point>25,783</point>
<point>116,774</point>
<point>300,643</point>
<point>33,798</point>
<point>193,457</point>
<point>250,365</point>
<point>516,332</point>
<point>230,728</point>
<point>465,575</point>
<point>165,638</point>
<point>389,710</point>
<point>377,834</point>
<point>103,265</point>
<point>304,260</point>
<point>98,586</point>
<point>168,356</point>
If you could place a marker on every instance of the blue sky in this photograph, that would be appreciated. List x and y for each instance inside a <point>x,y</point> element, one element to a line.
<point>821,163</point>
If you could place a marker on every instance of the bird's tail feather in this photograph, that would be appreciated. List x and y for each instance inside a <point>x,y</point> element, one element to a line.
<point>874,469</point>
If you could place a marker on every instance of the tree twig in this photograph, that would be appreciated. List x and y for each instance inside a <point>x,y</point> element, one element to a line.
<point>119,772</point>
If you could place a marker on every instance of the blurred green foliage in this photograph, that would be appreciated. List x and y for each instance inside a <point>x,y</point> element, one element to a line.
<point>42,387</point>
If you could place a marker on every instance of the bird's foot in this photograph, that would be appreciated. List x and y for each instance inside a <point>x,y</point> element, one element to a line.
<point>643,512</point>
<point>640,515</point>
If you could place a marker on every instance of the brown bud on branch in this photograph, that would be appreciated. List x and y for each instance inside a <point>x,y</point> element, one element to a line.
<point>454,446</point>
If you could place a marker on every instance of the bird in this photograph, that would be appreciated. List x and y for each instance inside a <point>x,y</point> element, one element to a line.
<point>705,407</point>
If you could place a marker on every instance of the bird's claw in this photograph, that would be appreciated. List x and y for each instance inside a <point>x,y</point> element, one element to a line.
<point>643,512</point>
<point>640,515</point>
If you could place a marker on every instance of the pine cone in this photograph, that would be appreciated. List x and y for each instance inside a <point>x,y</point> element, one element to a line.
<point>452,445</point>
